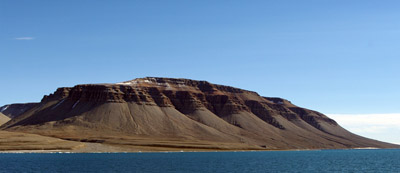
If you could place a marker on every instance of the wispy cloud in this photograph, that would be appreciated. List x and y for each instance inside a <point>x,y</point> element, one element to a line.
<point>24,38</point>
<point>383,127</point>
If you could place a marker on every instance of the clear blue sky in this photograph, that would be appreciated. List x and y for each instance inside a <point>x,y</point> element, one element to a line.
<point>334,56</point>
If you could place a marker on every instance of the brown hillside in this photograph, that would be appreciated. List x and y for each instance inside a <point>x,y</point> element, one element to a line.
<point>3,119</point>
<point>182,113</point>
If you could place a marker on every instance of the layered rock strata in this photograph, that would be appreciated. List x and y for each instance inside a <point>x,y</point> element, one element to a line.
<point>186,109</point>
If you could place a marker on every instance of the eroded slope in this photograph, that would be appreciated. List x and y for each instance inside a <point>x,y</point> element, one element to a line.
<point>183,110</point>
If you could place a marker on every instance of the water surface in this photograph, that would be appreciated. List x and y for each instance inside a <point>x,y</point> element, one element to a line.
<point>268,161</point>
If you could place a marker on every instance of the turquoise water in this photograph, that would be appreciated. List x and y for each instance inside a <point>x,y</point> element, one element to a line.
<point>270,161</point>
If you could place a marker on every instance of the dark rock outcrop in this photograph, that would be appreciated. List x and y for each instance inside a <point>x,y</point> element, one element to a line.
<point>14,110</point>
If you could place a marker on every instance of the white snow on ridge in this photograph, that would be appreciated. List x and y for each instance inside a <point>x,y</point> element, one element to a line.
<point>167,85</point>
<point>181,85</point>
<point>278,102</point>
<point>128,83</point>
<point>5,108</point>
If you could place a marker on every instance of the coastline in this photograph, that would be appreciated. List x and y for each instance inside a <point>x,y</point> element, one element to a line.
<point>172,151</point>
<point>17,142</point>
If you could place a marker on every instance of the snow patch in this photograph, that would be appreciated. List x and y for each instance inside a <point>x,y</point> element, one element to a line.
<point>5,108</point>
<point>58,104</point>
<point>166,85</point>
<point>278,102</point>
<point>128,83</point>
<point>75,104</point>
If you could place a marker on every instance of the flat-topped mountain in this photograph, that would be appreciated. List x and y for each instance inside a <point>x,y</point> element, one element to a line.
<point>182,113</point>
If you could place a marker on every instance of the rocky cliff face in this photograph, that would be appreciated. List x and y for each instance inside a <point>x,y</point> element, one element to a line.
<point>189,109</point>
<point>187,96</point>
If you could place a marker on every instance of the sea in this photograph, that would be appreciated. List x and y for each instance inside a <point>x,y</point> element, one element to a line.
<point>355,160</point>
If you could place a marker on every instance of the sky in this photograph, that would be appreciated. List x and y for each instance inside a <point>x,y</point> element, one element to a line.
<point>338,57</point>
